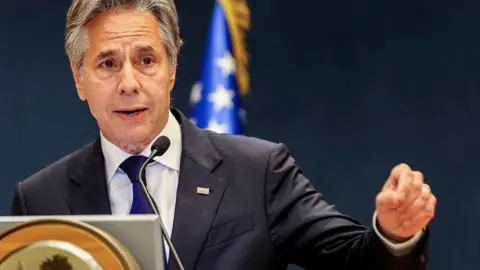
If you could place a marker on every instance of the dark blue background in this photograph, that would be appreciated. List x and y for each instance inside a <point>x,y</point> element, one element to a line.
<point>352,87</point>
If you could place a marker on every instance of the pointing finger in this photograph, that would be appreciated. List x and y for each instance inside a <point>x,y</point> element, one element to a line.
<point>397,173</point>
<point>412,189</point>
<point>402,176</point>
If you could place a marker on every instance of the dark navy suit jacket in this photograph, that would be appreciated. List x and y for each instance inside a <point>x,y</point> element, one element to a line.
<point>262,212</point>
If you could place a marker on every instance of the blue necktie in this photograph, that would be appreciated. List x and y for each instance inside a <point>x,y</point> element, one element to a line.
<point>131,166</point>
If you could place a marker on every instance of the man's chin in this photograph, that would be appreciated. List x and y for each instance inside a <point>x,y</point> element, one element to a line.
<point>133,148</point>
<point>133,143</point>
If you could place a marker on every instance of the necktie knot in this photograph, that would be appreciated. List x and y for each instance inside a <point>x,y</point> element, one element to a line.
<point>132,165</point>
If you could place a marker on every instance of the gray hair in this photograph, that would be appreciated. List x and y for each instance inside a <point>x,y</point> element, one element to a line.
<point>82,11</point>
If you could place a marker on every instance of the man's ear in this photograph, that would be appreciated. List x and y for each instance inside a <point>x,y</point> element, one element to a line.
<point>77,77</point>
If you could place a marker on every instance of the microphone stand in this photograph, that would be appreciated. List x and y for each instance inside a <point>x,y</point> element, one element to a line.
<point>154,208</point>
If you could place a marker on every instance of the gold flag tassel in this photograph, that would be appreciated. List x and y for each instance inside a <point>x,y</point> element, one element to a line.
<point>238,19</point>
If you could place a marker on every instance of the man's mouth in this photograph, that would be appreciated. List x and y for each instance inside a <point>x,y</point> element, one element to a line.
<point>131,112</point>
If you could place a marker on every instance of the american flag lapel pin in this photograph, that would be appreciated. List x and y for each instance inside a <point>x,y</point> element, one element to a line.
<point>203,191</point>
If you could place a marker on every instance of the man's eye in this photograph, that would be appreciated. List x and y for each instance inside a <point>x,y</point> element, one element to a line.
<point>147,61</point>
<point>108,64</point>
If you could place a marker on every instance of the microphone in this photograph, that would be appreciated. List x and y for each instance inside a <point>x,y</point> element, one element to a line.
<point>159,147</point>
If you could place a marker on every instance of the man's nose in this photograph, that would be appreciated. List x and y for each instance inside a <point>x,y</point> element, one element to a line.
<point>129,82</point>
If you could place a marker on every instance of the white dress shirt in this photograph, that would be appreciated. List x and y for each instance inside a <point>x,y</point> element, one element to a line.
<point>161,176</point>
<point>162,182</point>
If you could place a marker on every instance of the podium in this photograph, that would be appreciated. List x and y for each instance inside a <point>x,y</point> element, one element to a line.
<point>129,242</point>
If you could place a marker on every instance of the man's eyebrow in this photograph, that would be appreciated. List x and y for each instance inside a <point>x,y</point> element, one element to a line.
<point>144,48</point>
<point>105,54</point>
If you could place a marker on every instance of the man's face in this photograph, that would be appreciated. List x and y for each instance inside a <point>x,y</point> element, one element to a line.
<point>126,79</point>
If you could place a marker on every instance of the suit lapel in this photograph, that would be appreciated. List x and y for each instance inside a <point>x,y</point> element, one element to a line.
<point>87,188</point>
<point>194,213</point>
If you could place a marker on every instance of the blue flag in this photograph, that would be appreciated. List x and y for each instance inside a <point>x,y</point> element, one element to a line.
<point>215,98</point>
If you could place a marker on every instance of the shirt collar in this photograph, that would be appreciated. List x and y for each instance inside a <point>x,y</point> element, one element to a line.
<point>114,156</point>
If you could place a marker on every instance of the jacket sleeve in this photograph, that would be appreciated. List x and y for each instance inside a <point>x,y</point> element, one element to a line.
<point>308,231</point>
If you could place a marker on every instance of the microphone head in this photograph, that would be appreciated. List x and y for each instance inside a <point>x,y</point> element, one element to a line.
<point>161,145</point>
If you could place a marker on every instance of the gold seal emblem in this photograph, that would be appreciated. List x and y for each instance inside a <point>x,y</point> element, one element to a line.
<point>50,255</point>
<point>61,244</point>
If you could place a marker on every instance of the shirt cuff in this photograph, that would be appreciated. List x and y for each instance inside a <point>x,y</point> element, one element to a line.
<point>398,249</point>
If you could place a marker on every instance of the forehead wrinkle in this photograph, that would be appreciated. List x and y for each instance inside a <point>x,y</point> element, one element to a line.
<point>122,35</point>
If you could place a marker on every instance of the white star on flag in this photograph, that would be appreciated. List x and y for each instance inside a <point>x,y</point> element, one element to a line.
<point>227,64</point>
<point>222,98</point>
<point>196,94</point>
<point>214,126</point>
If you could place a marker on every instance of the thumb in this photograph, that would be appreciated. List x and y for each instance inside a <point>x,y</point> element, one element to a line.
<point>387,200</point>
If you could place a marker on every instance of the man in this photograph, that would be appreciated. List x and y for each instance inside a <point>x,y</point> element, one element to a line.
<point>258,212</point>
